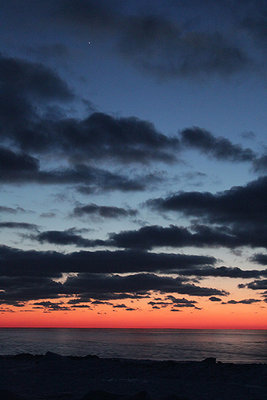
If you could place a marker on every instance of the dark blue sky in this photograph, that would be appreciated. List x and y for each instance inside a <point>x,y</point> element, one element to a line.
<point>133,127</point>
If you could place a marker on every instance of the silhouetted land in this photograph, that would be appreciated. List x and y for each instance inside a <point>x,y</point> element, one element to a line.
<point>51,376</point>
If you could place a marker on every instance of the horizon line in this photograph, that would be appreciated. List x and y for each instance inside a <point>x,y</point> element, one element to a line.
<point>125,328</point>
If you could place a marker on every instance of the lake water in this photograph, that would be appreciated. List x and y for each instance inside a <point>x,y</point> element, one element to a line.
<point>239,346</point>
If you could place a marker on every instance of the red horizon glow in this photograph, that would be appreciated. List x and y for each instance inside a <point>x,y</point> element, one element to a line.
<point>230,317</point>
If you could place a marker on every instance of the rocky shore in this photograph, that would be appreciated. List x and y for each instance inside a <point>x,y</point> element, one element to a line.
<point>51,376</point>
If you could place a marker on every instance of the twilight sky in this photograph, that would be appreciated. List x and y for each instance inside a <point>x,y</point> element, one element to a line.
<point>133,163</point>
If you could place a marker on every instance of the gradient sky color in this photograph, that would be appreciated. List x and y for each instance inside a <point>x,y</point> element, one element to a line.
<point>133,160</point>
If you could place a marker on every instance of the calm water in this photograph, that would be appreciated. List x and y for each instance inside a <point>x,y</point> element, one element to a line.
<point>240,346</point>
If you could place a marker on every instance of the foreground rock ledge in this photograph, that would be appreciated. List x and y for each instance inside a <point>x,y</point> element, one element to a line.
<point>52,376</point>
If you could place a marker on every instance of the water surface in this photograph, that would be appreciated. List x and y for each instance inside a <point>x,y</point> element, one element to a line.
<point>239,346</point>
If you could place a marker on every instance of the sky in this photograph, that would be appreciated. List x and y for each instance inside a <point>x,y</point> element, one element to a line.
<point>133,161</point>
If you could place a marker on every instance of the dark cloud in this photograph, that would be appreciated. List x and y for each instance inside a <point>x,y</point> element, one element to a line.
<point>217,147</point>
<point>168,263</point>
<point>103,136</point>
<point>100,302</point>
<point>18,290</point>
<point>149,237</point>
<point>166,50</point>
<point>26,275</point>
<point>15,290</point>
<point>213,298</point>
<point>22,168</point>
<point>48,215</point>
<point>159,304</point>
<point>255,285</point>
<point>19,225</point>
<point>103,297</point>
<point>241,205</point>
<point>88,284</point>
<point>26,122</point>
<point>158,45</point>
<point>51,306</point>
<point>27,89</point>
<point>181,302</point>
<point>98,15</point>
<point>15,262</point>
<point>260,258</point>
<point>124,139</point>
<point>119,306</point>
<point>32,79</point>
<point>66,238</point>
<point>103,180</point>
<point>10,210</point>
<point>245,301</point>
<point>248,135</point>
<point>255,21</point>
<point>11,163</point>
<point>98,136</point>
<point>224,272</point>
<point>186,305</point>
<point>103,211</point>
<point>241,233</point>
<point>260,164</point>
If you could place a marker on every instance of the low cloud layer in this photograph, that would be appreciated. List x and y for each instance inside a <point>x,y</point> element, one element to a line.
<point>151,237</point>
<point>97,286</point>
<point>217,147</point>
<point>15,262</point>
<point>27,276</point>
<point>18,167</point>
<point>18,225</point>
<point>103,211</point>
<point>241,205</point>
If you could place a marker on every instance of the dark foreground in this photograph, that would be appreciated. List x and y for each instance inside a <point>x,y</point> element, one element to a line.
<point>52,376</point>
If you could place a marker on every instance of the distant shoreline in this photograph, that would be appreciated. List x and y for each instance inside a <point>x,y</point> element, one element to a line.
<point>50,355</point>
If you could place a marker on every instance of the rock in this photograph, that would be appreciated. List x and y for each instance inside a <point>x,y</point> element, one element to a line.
<point>209,361</point>
<point>91,356</point>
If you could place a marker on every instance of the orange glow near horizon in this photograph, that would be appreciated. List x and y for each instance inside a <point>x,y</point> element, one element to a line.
<point>211,316</point>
